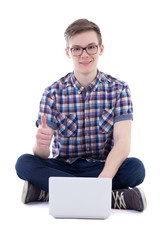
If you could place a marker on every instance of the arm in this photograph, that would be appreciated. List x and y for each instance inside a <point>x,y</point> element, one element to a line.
<point>120,150</point>
<point>44,136</point>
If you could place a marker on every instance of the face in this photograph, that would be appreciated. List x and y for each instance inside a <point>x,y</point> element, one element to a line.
<point>84,64</point>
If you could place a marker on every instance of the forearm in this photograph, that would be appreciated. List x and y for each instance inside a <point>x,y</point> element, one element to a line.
<point>116,157</point>
<point>41,152</point>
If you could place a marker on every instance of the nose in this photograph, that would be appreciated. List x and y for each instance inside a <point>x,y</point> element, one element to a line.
<point>84,53</point>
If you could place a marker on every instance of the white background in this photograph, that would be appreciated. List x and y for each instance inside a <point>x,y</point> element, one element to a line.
<point>31,58</point>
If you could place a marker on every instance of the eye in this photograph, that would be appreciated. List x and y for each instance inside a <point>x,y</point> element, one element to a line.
<point>91,47</point>
<point>76,49</point>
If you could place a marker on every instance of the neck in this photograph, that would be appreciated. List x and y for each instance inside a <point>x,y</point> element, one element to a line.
<point>85,79</point>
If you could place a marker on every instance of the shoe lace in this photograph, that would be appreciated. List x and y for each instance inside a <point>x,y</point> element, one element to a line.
<point>119,200</point>
<point>43,196</point>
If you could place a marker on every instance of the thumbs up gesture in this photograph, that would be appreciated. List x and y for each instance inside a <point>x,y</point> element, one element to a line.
<point>43,136</point>
<point>43,120</point>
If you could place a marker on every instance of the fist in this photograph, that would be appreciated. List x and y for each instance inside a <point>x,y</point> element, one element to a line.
<point>43,136</point>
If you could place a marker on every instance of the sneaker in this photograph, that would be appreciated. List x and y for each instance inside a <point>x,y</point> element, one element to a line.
<point>132,198</point>
<point>33,194</point>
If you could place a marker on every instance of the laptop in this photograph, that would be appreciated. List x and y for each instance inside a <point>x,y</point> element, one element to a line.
<point>77,197</point>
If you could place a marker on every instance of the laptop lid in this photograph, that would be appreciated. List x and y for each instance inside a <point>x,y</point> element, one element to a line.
<point>77,197</point>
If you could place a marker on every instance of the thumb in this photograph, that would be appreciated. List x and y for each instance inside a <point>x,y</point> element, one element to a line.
<point>43,120</point>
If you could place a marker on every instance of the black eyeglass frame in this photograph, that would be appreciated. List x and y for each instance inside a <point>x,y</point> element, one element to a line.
<point>82,49</point>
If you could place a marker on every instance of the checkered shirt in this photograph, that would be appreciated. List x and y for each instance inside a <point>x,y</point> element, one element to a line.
<point>83,119</point>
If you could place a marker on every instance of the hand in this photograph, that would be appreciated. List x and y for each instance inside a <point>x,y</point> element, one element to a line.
<point>43,136</point>
<point>104,174</point>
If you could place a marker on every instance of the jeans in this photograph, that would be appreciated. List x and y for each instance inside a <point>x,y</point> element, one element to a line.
<point>37,171</point>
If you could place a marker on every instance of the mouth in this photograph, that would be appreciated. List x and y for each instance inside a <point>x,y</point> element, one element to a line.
<point>85,63</point>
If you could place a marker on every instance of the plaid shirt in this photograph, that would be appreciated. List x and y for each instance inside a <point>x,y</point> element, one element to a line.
<point>82,118</point>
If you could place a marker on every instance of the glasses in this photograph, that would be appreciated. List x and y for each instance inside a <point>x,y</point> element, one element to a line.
<point>91,50</point>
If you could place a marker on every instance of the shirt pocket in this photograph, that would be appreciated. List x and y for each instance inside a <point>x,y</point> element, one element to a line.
<point>67,124</point>
<point>106,121</point>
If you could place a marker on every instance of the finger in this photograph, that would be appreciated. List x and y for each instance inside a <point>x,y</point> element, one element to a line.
<point>43,120</point>
<point>43,140</point>
<point>44,143</point>
<point>41,145</point>
<point>43,135</point>
<point>44,131</point>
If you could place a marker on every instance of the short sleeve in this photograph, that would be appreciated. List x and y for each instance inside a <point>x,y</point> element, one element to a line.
<point>124,106</point>
<point>47,108</point>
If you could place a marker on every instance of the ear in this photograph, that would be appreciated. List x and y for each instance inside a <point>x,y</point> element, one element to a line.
<point>67,53</point>
<point>101,49</point>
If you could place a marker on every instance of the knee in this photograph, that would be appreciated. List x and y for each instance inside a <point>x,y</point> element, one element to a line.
<point>22,163</point>
<point>130,174</point>
<point>138,170</point>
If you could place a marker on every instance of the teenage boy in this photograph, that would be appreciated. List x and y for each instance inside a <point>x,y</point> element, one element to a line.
<point>87,115</point>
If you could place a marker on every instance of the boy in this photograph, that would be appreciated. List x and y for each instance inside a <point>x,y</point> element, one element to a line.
<point>88,114</point>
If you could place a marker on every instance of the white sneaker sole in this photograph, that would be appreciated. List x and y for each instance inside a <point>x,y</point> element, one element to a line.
<point>144,200</point>
<point>24,192</point>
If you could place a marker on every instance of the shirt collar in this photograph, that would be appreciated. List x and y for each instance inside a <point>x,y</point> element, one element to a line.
<point>76,84</point>
<point>92,87</point>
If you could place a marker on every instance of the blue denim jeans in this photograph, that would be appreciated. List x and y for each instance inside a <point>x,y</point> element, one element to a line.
<point>37,171</point>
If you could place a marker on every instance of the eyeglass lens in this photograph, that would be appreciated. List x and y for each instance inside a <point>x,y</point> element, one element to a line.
<point>91,50</point>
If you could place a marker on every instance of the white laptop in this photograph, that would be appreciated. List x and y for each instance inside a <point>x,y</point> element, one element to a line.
<point>77,197</point>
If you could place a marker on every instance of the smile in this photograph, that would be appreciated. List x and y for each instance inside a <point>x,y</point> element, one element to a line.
<point>85,63</point>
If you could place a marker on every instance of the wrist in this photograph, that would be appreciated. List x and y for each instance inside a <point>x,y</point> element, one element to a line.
<point>106,174</point>
<point>41,152</point>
